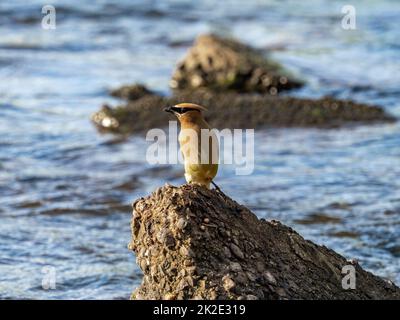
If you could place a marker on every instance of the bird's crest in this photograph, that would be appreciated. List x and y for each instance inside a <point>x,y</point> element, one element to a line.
<point>194,106</point>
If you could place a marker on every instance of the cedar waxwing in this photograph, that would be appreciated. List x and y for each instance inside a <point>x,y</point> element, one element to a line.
<point>198,143</point>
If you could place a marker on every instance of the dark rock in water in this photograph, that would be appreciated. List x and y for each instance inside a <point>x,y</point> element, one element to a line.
<point>239,86</point>
<point>131,92</point>
<point>195,243</point>
<point>241,111</point>
<point>220,63</point>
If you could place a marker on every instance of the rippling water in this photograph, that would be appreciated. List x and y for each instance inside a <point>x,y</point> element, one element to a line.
<point>65,190</point>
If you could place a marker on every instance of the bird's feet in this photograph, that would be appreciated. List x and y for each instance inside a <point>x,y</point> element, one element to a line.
<point>216,187</point>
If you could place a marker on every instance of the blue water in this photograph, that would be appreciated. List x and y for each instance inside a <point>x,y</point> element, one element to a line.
<point>65,189</point>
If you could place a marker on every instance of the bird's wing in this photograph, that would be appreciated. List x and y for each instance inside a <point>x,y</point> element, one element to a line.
<point>198,151</point>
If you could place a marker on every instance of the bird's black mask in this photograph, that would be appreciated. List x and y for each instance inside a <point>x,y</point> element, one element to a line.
<point>178,110</point>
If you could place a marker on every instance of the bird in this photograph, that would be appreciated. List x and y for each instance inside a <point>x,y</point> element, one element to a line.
<point>200,158</point>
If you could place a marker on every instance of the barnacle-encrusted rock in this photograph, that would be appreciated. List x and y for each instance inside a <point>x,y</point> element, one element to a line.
<point>194,243</point>
<point>241,111</point>
<point>221,63</point>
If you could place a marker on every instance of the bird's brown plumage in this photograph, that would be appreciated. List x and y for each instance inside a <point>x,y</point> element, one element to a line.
<point>199,149</point>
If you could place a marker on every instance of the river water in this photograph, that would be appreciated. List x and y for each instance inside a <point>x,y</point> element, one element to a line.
<point>65,189</point>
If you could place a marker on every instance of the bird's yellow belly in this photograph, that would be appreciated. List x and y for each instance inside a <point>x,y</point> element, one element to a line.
<point>200,173</point>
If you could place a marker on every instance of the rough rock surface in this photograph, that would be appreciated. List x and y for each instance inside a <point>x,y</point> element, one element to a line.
<point>220,63</point>
<point>194,243</point>
<point>241,111</point>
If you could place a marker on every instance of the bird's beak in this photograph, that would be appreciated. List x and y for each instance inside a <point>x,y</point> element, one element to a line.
<point>168,109</point>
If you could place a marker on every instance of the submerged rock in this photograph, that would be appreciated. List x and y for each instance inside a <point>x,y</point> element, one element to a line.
<point>240,111</point>
<point>131,92</point>
<point>195,243</point>
<point>220,63</point>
